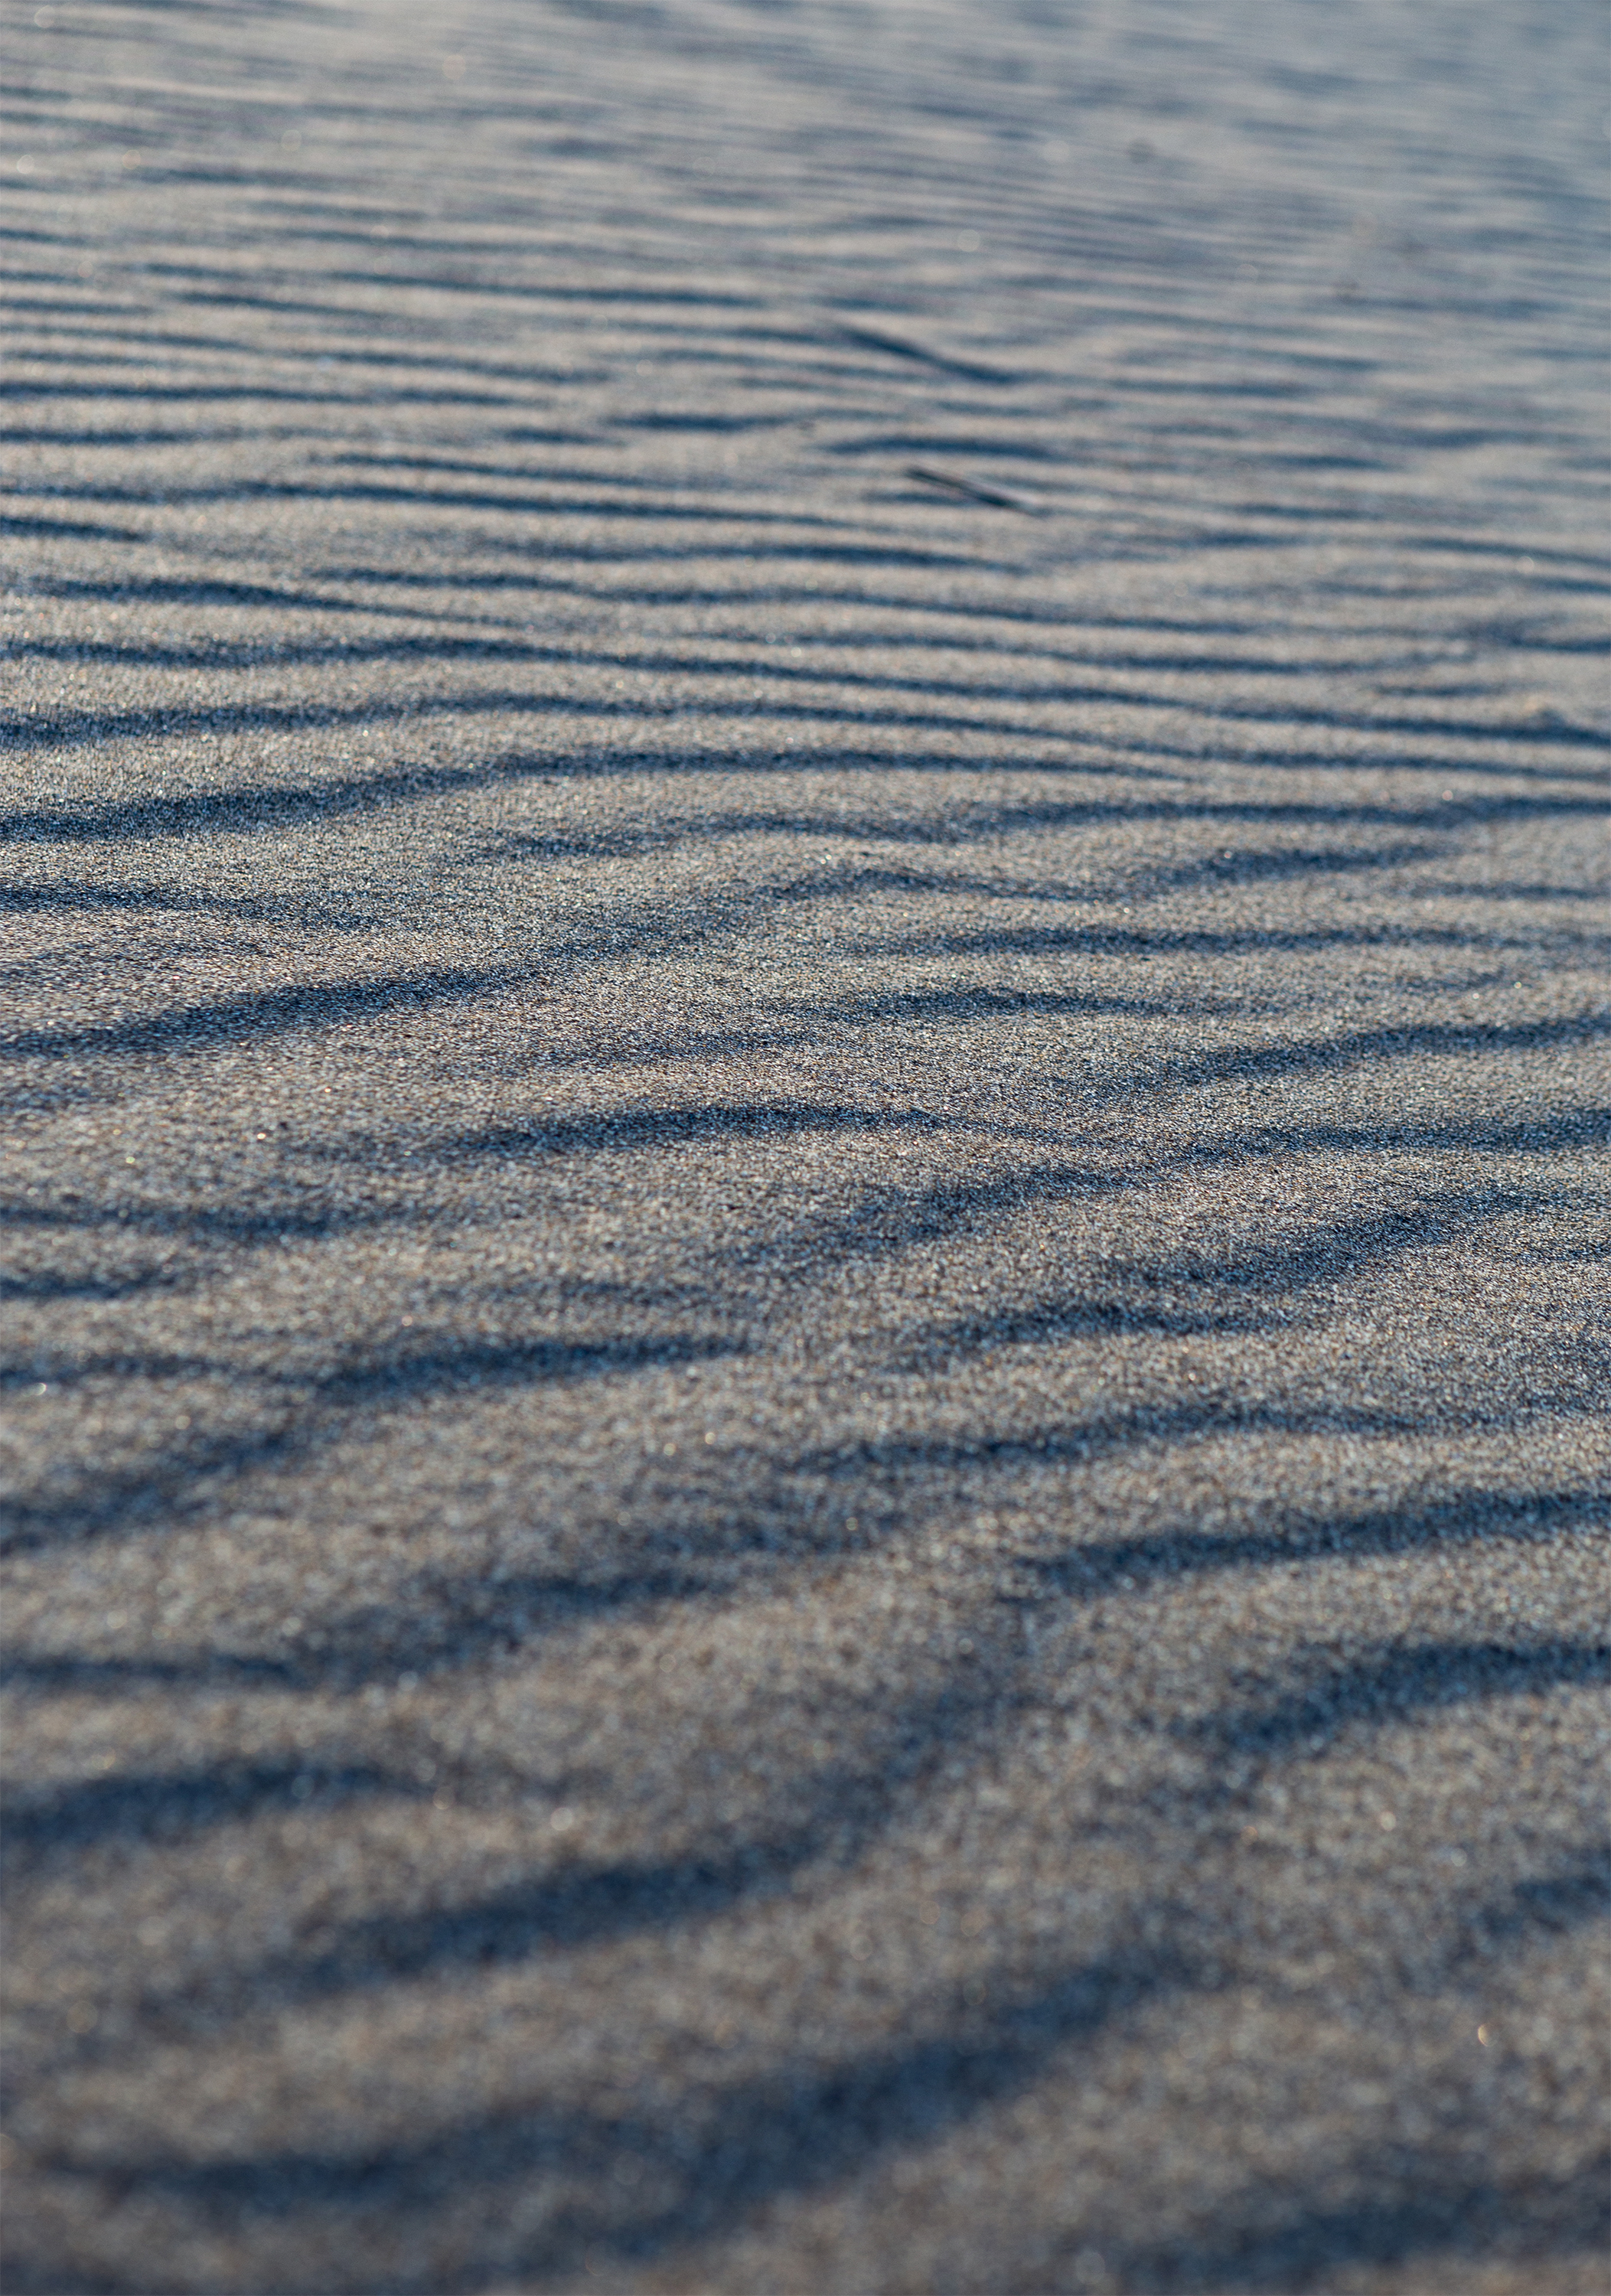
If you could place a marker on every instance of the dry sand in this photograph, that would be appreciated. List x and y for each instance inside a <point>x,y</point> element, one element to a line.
<point>807,1345</point>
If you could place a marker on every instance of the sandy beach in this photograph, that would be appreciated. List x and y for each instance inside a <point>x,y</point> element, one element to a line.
<point>806,1339</point>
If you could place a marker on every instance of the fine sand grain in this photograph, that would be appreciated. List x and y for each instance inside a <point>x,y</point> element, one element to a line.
<point>807,1057</point>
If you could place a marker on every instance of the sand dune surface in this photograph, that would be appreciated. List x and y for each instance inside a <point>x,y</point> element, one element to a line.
<point>806,1052</point>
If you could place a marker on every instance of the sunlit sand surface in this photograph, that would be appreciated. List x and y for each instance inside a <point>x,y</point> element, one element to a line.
<point>806,1038</point>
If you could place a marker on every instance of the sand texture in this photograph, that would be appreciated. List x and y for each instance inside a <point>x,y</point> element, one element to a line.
<point>807,1060</point>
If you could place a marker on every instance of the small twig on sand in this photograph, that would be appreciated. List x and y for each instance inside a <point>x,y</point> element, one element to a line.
<point>875,338</point>
<point>966,487</point>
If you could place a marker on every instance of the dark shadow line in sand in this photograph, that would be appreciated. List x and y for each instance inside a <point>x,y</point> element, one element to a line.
<point>889,1220</point>
<point>1441,1040</point>
<point>1286,2235</point>
<point>80,529</point>
<point>615,1131</point>
<point>70,895</point>
<point>597,508</point>
<point>823,1818</point>
<point>303,1219</point>
<point>189,1030</point>
<point>133,1284</point>
<point>1534,1914</point>
<point>733,1529</point>
<point>68,728</point>
<point>197,1029</point>
<point>1539,1136</point>
<point>57,388</point>
<point>148,1806</point>
<point>888,1464</point>
<point>720,2155</point>
<point>155,1492</point>
<point>1391,1686</point>
<point>1095,1569</point>
<point>1512,888</point>
<point>78,729</point>
<point>1035,690</point>
<point>255,805</point>
<point>1160,1295</point>
<point>1102,939</point>
<point>735,2147</point>
<point>466,1624</point>
<point>1194,1293</point>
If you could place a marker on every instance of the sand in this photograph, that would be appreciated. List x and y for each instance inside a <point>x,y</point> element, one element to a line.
<point>807,1089</point>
